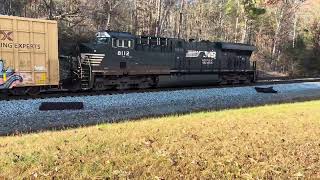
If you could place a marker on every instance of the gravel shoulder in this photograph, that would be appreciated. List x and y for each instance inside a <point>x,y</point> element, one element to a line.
<point>24,116</point>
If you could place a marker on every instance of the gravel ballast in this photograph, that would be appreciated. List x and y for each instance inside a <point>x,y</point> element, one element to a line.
<point>24,115</point>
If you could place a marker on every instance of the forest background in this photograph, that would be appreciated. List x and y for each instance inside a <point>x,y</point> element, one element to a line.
<point>285,32</point>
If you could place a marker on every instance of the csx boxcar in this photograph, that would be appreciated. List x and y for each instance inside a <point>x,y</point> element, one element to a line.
<point>28,54</point>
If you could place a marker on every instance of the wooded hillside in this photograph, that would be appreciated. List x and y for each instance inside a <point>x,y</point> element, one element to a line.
<point>286,32</point>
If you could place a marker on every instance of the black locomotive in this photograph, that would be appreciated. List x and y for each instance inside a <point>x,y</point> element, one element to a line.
<point>121,60</point>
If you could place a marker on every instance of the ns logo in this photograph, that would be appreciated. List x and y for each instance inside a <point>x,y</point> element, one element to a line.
<point>124,53</point>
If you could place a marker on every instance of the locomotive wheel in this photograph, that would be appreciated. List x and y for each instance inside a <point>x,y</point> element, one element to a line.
<point>122,86</point>
<point>147,83</point>
<point>230,82</point>
<point>223,82</point>
<point>99,86</point>
<point>242,81</point>
<point>144,85</point>
<point>33,91</point>
<point>245,81</point>
<point>155,82</point>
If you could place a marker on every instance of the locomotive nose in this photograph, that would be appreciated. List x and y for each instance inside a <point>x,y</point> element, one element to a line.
<point>87,48</point>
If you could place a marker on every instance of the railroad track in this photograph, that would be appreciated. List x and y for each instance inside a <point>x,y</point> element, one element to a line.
<point>58,94</point>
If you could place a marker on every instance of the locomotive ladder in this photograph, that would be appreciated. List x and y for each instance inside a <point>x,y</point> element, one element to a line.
<point>85,71</point>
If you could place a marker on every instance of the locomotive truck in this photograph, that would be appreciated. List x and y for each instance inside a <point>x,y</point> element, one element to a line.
<point>30,60</point>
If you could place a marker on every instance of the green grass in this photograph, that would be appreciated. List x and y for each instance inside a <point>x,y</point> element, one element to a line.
<point>280,141</point>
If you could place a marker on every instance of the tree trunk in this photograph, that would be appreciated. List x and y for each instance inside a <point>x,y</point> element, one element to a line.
<point>275,43</point>
<point>50,9</point>
<point>158,18</point>
<point>220,21</point>
<point>294,30</point>
<point>236,30</point>
<point>108,20</point>
<point>180,18</point>
<point>237,22</point>
<point>245,29</point>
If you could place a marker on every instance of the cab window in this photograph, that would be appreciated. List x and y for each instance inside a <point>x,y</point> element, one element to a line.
<point>122,43</point>
<point>103,40</point>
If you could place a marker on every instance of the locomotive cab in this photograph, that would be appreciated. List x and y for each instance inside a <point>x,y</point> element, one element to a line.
<point>103,38</point>
<point>98,45</point>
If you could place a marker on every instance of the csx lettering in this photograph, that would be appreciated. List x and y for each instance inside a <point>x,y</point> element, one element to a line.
<point>123,53</point>
<point>6,35</point>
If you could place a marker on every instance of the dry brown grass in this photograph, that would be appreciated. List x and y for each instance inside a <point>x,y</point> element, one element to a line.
<point>279,141</point>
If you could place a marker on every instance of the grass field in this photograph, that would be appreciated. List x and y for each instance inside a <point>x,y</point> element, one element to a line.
<point>281,141</point>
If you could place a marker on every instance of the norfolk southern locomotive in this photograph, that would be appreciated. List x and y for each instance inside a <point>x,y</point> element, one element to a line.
<point>120,60</point>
